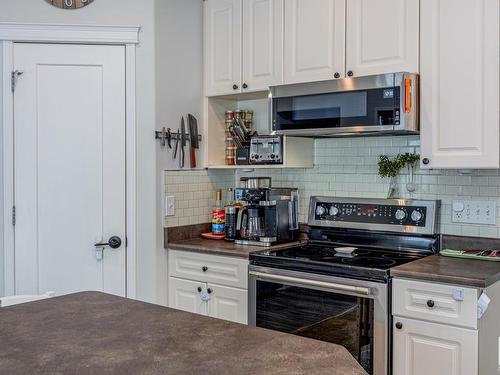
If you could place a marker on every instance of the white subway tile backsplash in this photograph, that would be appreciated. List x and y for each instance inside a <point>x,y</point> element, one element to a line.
<point>346,167</point>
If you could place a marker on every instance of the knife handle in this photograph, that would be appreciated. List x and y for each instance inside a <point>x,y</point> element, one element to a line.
<point>193,157</point>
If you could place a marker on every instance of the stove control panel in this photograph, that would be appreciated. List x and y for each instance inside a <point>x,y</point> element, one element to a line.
<point>370,213</point>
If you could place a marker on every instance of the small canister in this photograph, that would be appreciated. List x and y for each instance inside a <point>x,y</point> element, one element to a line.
<point>229,116</point>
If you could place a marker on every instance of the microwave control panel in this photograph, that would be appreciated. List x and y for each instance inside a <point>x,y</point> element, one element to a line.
<point>371,213</point>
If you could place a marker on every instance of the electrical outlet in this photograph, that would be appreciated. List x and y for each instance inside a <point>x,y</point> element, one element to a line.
<point>474,212</point>
<point>170,206</point>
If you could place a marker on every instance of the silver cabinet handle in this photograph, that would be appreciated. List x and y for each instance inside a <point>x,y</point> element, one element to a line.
<point>314,283</point>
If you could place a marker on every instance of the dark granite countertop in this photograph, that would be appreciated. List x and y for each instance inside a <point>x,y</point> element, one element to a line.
<point>221,247</point>
<point>96,333</point>
<point>438,268</point>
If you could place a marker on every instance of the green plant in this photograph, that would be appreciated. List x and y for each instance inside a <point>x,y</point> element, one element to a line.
<point>390,167</point>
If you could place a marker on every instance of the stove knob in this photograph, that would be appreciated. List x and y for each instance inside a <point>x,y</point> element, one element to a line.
<point>416,216</point>
<point>400,214</point>
<point>334,211</point>
<point>320,210</point>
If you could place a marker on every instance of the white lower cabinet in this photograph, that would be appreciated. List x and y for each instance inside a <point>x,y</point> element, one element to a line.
<point>185,295</point>
<point>228,303</point>
<point>423,348</point>
<point>191,285</point>
<point>435,329</point>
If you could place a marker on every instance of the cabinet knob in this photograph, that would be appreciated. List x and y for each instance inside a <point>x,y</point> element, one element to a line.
<point>199,289</point>
<point>337,75</point>
<point>204,268</point>
<point>430,303</point>
<point>245,86</point>
<point>426,161</point>
<point>399,325</point>
<point>209,290</point>
<point>350,73</point>
<point>235,87</point>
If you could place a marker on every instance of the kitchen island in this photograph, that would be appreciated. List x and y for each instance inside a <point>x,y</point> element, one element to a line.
<point>96,333</point>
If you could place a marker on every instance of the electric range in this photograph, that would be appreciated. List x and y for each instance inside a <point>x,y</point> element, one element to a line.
<point>336,287</point>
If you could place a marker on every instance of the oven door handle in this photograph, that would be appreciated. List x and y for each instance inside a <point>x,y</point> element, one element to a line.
<point>360,290</point>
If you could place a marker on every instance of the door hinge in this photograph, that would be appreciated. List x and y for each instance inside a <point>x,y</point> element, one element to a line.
<point>13,215</point>
<point>13,79</point>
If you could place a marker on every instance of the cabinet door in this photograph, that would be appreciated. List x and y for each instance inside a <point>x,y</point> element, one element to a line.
<point>262,44</point>
<point>459,80</point>
<point>228,303</point>
<point>421,348</point>
<point>382,36</point>
<point>314,40</point>
<point>185,295</point>
<point>222,46</point>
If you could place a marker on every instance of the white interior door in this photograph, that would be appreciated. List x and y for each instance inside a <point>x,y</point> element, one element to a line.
<point>69,108</point>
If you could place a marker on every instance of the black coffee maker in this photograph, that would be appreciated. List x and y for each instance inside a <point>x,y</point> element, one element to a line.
<point>270,216</point>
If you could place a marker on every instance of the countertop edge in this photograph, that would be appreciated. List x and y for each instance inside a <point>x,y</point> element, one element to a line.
<point>445,279</point>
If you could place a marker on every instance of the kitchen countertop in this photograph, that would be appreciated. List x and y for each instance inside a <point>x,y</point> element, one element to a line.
<point>437,268</point>
<point>221,247</point>
<point>96,333</point>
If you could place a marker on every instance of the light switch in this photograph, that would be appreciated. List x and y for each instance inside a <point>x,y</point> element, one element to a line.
<point>170,205</point>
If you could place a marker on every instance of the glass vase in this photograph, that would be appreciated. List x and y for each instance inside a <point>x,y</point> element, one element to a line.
<point>410,186</point>
<point>393,189</point>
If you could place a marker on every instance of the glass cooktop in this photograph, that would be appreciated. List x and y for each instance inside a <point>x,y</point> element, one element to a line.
<point>340,260</point>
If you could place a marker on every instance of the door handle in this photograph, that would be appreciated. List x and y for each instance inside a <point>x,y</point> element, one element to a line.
<point>114,242</point>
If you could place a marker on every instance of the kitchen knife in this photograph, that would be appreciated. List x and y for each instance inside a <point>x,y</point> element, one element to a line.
<point>183,143</point>
<point>176,145</point>
<point>193,133</point>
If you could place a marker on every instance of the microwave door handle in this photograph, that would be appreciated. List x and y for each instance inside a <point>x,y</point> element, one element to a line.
<point>358,290</point>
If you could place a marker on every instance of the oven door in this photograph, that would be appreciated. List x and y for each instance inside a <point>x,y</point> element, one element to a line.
<point>347,312</point>
<point>383,103</point>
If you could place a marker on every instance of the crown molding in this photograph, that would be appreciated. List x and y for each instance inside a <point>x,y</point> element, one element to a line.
<point>61,33</point>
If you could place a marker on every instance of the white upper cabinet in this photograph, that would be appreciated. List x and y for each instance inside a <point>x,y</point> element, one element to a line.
<point>222,46</point>
<point>314,48</point>
<point>459,67</point>
<point>262,44</point>
<point>382,36</point>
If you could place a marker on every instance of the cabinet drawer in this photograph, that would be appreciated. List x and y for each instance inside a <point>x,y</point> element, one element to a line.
<point>435,302</point>
<point>209,268</point>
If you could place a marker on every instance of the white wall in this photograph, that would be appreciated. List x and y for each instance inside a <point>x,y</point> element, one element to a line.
<point>121,12</point>
<point>179,58</point>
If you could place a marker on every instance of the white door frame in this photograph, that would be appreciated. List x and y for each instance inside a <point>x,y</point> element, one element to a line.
<point>127,36</point>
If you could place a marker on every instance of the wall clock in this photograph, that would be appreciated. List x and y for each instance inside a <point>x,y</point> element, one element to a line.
<point>69,4</point>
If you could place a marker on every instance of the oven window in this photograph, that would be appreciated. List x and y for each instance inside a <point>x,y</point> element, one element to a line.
<point>339,319</point>
<point>373,107</point>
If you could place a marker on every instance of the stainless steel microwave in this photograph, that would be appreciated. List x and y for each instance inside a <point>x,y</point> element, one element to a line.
<point>378,104</point>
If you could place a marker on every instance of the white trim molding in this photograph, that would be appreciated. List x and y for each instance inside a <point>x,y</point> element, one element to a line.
<point>127,36</point>
<point>46,33</point>
<point>7,167</point>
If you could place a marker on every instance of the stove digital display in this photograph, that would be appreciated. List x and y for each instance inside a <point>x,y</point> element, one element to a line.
<point>366,210</point>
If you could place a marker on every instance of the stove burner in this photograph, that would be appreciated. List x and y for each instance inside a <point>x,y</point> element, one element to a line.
<point>366,261</point>
<point>310,253</point>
